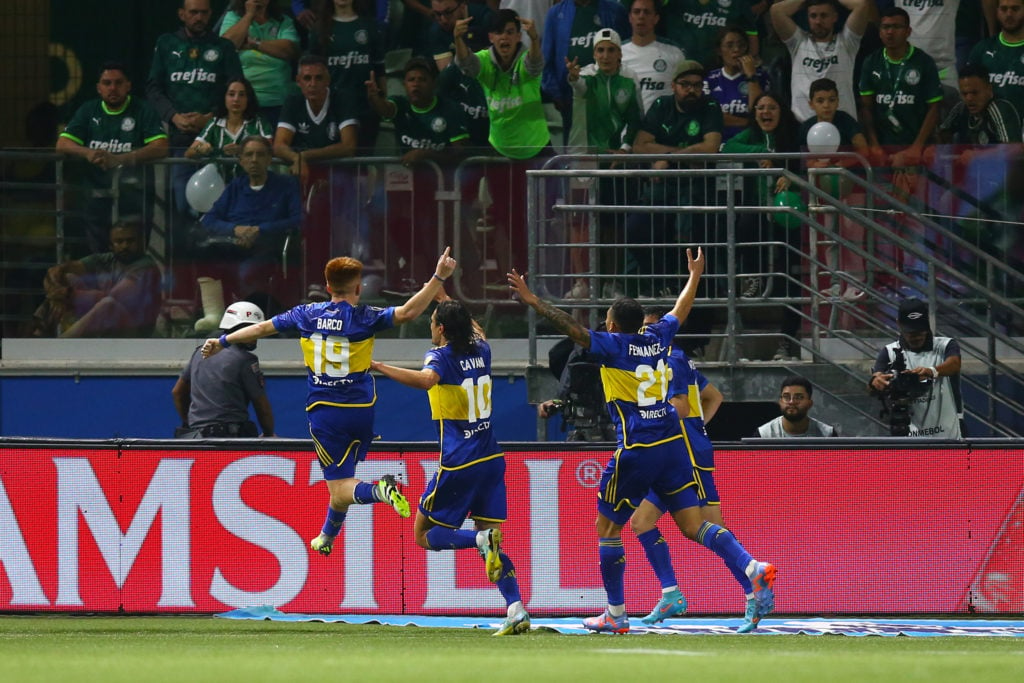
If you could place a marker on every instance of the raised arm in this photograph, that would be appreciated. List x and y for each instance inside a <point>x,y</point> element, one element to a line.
<point>685,301</point>
<point>246,335</point>
<point>419,301</point>
<point>562,321</point>
<point>385,108</point>
<point>534,55</point>
<point>860,14</point>
<point>782,18</point>
<point>464,57</point>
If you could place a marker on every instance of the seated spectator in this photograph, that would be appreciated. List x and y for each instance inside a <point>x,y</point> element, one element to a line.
<point>772,129</point>
<point>694,25</point>
<point>349,38</point>
<point>267,45</point>
<point>111,294</point>
<point>114,131</point>
<point>234,120</point>
<point>652,60</point>
<point>569,30</point>
<point>738,82</point>
<point>795,402</point>
<point>315,124</point>
<point>252,218</point>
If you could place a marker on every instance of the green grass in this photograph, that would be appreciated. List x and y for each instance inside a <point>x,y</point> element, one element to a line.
<point>140,649</point>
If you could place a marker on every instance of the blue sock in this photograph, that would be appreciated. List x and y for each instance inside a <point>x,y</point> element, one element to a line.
<point>507,584</point>
<point>722,543</point>
<point>659,556</point>
<point>365,493</point>
<point>332,525</point>
<point>443,538</point>
<point>740,574</point>
<point>613,568</point>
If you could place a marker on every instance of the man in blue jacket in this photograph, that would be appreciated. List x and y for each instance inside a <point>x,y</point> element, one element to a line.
<point>254,215</point>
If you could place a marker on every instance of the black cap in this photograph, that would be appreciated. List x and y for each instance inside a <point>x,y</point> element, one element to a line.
<point>914,316</point>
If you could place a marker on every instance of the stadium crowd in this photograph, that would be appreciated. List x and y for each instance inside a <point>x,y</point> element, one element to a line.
<point>521,79</point>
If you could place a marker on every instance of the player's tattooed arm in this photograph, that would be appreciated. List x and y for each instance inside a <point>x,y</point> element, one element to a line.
<point>562,321</point>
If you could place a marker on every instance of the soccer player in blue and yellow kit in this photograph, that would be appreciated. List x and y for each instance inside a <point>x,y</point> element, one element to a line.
<point>651,448</point>
<point>696,401</point>
<point>337,344</point>
<point>470,480</point>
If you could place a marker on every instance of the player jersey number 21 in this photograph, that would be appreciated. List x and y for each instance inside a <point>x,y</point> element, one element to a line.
<point>656,377</point>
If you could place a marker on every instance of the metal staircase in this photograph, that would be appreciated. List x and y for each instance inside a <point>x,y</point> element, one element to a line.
<point>974,295</point>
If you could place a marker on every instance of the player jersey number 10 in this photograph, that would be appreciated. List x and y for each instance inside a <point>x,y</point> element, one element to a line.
<point>330,355</point>
<point>478,397</point>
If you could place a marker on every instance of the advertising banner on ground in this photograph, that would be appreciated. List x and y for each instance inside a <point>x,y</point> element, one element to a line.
<point>155,527</point>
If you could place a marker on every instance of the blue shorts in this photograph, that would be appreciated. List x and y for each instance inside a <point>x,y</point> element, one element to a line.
<point>341,437</point>
<point>477,491</point>
<point>703,461</point>
<point>707,494</point>
<point>632,473</point>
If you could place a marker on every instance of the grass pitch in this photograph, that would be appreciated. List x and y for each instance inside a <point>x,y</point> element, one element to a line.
<point>195,650</point>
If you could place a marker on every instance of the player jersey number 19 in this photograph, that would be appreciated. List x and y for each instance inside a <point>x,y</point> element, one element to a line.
<point>330,355</point>
<point>478,397</point>
<point>649,377</point>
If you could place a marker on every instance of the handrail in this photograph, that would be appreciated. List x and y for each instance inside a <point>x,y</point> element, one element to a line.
<point>822,203</point>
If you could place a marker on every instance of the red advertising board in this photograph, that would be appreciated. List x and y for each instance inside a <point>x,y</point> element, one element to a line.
<point>154,528</point>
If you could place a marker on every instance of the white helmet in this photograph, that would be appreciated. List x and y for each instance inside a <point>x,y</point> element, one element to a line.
<point>241,313</point>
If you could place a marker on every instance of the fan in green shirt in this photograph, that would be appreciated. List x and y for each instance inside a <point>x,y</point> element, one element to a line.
<point>1003,54</point>
<point>115,131</point>
<point>190,72</point>
<point>899,92</point>
<point>510,76</point>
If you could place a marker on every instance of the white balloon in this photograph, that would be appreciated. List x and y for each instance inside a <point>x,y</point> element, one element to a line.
<point>823,137</point>
<point>372,284</point>
<point>204,188</point>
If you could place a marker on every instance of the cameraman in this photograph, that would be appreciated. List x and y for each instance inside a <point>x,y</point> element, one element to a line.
<point>580,398</point>
<point>918,378</point>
